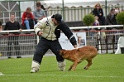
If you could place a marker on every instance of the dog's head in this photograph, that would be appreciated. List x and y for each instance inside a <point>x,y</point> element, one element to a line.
<point>63,53</point>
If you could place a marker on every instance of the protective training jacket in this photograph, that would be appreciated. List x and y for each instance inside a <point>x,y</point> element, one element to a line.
<point>52,31</point>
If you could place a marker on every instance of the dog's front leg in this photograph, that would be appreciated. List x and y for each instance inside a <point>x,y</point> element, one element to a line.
<point>73,66</point>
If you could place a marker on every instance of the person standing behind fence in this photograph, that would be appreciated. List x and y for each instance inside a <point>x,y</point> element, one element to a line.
<point>96,23</point>
<point>1,37</point>
<point>38,13</point>
<point>42,7</point>
<point>98,11</point>
<point>49,29</point>
<point>28,19</point>
<point>117,10</point>
<point>111,18</point>
<point>1,28</point>
<point>13,36</point>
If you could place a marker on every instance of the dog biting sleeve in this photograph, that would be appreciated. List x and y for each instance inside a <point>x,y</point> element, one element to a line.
<point>66,30</point>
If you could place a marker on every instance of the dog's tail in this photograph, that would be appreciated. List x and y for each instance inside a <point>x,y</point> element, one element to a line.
<point>93,51</point>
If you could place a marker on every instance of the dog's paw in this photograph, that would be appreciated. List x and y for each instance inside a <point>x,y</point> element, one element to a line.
<point>69,69</point>
<point>86,68</point>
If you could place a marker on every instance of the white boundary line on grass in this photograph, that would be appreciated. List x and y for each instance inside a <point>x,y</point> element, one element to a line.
<point>53,75</point>
<point>1,74</point>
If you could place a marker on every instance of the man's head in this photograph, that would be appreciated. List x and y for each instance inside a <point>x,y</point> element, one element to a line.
<point>38,7</point>
<point>112,12</point>
<point>12,17</point>
<point>57,18</point>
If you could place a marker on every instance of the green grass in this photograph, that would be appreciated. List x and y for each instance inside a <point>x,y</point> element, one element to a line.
<point>105,68</point>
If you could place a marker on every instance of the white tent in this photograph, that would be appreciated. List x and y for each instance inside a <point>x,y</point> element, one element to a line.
<point>84,3</point>
<point>70,3</point>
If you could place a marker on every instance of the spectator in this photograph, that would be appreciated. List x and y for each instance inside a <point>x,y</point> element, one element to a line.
<point>93,30</point>
<point>98,11</point>
<point>117,10</point>
<point>42,7</point>
<point>96,23</point>
<point>122,10</point>
<point>13,36</point>
<point>38,13</point>
<point>111,18</point>
<point>28,19</point>
<point>0,37</point>
<point>1,28</point>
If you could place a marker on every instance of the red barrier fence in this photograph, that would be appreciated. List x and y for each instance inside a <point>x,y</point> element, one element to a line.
<point>25,43</point>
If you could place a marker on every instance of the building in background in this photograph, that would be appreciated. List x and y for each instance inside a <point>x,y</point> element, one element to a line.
<point>72,10</point>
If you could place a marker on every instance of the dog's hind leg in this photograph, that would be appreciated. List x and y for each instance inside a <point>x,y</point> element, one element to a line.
<point>70,68</point>
<point>89,64</point>
<point>73,66</point>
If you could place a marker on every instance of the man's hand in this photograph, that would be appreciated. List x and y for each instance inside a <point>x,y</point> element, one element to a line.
<point>40,33</point>
<point>75,46</point>
<point>20,29</point>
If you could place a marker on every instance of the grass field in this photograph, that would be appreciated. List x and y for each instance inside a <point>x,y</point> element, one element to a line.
<point>105,68</point>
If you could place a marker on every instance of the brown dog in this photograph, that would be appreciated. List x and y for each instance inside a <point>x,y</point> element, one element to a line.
<point>78,55</point>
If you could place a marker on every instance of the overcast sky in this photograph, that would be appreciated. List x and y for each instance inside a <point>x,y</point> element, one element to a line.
<point>83,2</point>
<point>80,0</point>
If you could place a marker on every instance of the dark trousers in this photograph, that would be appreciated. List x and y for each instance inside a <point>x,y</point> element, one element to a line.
<point>43,47</point>
<point>102,21</point>
<point>13,40</point>
<point>31,23</point>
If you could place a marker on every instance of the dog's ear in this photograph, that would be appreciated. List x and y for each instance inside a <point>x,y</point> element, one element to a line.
<point>79,49</point>
<point>61,52</point>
